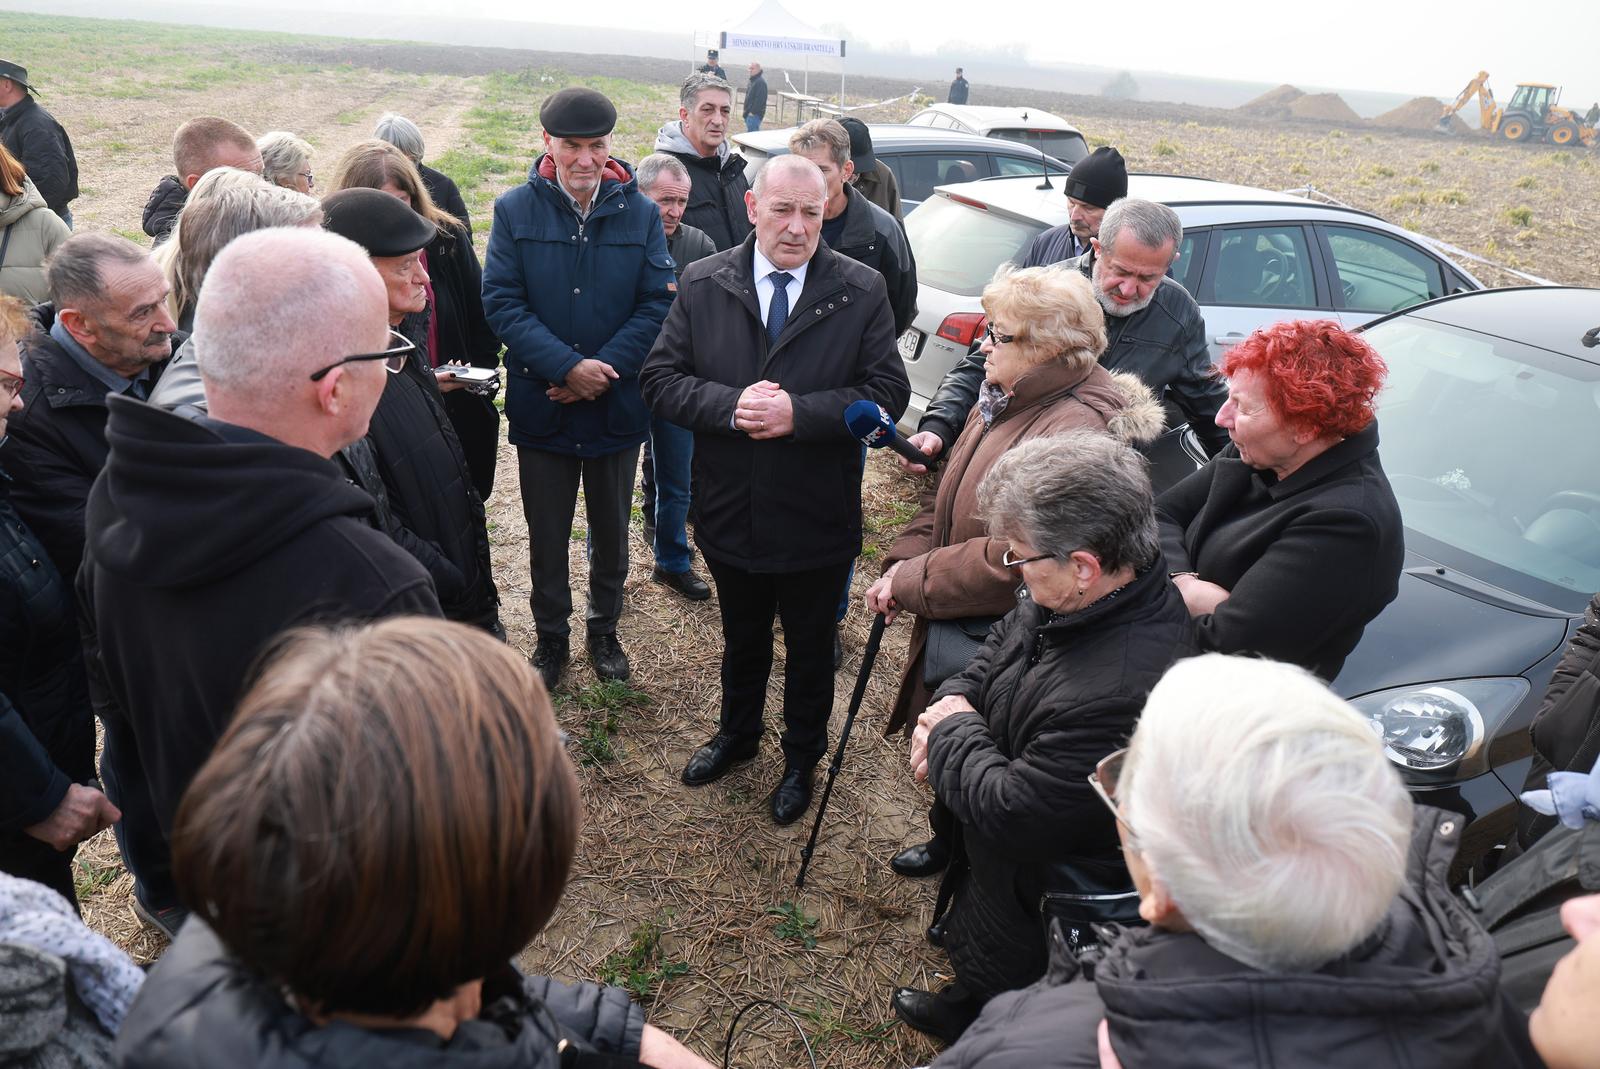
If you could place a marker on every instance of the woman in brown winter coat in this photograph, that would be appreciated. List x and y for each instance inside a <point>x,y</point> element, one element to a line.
<point>1044,338</point>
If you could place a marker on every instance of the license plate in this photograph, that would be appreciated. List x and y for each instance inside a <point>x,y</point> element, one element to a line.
<point>909,343</point>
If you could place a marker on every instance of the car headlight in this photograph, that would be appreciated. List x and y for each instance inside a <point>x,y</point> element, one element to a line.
<point>1436,729</point>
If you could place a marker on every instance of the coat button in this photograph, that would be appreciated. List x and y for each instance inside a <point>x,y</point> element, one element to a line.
<point>576,290</point>
<point>830,305</point>
<point>819,311</point>
<point>34,562</point>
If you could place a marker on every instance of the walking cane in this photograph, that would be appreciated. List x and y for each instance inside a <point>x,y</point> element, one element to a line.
<point>874,640</point>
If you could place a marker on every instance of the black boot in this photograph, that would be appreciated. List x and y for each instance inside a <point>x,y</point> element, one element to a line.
<point>924,859</point>
<point>550,656</point>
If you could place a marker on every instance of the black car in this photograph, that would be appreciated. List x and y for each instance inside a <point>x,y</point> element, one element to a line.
<point>922,157</point>
<point>1490,435</point>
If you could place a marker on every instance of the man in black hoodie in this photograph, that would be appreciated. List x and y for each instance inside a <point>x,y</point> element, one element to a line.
<point>210,534</point>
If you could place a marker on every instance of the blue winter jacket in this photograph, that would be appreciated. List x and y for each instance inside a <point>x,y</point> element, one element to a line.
<point>558,290</point>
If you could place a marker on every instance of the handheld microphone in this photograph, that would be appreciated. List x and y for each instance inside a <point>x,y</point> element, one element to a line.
<point>871,425</point>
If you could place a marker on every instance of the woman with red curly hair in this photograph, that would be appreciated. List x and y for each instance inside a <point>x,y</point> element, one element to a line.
<point>1289,541</point>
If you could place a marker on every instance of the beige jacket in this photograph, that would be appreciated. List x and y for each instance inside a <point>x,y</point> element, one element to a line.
<point>33,231</point>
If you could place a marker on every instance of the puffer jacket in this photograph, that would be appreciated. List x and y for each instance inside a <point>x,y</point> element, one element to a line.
<point>33,136</point>
<point>873,237</point>
<point>29,233</point>
<point>430,491</point>
<point>949,566</point>
<point>1164,344</point>
<point>46,725</point>
<point>557,290</point>
<point>201,1008</point>
<point>162,208</point>
<point>1054,695</point>
<point>1422,991</point>
<point>717,185</point>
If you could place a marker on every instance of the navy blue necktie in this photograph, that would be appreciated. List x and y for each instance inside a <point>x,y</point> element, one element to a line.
<point>778,310</point>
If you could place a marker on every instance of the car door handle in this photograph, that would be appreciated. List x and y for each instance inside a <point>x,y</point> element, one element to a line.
<point>1232,338</point>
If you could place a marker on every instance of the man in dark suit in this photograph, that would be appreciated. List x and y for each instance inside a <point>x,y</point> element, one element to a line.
<point>765,347</point>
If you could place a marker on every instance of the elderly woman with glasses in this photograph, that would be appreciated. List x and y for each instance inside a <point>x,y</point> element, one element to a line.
<point>1008,743</point>
<point>1290,541</point>
<point>1299,906</point>
<point>355,904</point>
<point>1042,377</point>
<point>417,456</point>
<point>286,161</point>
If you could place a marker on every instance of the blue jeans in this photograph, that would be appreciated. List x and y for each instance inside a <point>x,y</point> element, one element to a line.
<point>66,217</point>
<point>672,447</point>
<point>752,123</point>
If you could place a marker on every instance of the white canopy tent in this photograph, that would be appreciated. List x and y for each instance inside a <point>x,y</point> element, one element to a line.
<point>772,36</point>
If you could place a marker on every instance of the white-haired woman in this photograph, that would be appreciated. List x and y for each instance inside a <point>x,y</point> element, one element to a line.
<point>1042,377</point>
<point>286,161</point>
<point>405,135</point>
<point>1298,905</point>
<point>1007,743</point>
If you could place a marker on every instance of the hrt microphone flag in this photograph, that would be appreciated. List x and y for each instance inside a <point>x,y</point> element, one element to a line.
<point>872,427</point>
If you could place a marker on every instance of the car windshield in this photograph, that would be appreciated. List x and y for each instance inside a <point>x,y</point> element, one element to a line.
<point>1490,446</point>
<point>957,247</point>
<point>1064,145</point>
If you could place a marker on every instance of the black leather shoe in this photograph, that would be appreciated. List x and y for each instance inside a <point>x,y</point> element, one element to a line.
<point>605,654</point>
<point>793,796</point>
<point>838,649</point>
<point>924,859</point>
<point>550,656</point>
<point>712,761</point>
<point>930,1014</point>
<point>935,935</point>
<point>688,584</point>
<point>649,534</point>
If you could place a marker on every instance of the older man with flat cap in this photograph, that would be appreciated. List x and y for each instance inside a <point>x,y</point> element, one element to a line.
<point>33,136</point>
<point>412,443</point>
<point>577,282</point>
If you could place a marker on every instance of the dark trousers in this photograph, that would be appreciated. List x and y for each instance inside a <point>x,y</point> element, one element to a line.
<point>805,602</point>
<point>140,841</point>
<point>23,855</point>
<point>549,500</point>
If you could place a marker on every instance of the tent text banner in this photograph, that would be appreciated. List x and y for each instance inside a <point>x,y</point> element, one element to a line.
<point>793,46</point>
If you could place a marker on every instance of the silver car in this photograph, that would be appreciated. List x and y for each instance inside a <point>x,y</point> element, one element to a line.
<point>1249,256</point>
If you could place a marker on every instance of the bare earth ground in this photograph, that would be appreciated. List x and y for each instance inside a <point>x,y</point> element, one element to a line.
<point>687,895</point>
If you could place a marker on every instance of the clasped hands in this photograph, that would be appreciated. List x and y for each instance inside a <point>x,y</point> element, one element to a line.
<point>588,379</point>
<point>1200,597</point>
<point>764,410</point>
<point>935,715</point>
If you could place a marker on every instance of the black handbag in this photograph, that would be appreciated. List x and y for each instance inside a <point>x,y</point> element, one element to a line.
<point>1077,913</point>
<point>951,645</point>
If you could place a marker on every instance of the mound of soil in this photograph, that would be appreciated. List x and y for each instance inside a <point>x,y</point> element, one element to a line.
<point>1329,107</point>
<point>1274,103</point>
<point>1420,114</point>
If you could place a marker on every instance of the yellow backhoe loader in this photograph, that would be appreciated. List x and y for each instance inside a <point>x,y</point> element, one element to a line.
<point>1533,112</point>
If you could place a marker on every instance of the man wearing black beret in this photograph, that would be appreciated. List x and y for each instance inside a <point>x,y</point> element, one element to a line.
<point>412,447</point>
<point>576,282</point>
<point>1094,183</point>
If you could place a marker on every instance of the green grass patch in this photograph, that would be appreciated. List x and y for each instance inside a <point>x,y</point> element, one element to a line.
<point>90,879</point>
<point>1163,147</point>
<point>1378,170</point>
<point>604,707</point>
<point>794,925</point>
<point>1522,216</point>
<point>642,968</point>
<point>1450,196</point>
<point>1430,166</point>
<point>1527,181</point>
<point>1410,198</point>
<point>828,1026</point>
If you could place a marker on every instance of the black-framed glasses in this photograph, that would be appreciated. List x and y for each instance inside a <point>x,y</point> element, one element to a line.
<point>311,179</point>
<point>11,384</point>
<point>999,339</point>
<point>394,357</point>
<point>1104,781</point>
<point>1009,561</point>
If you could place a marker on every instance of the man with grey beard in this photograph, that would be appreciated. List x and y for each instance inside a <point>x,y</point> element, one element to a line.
<point>1153,329</point>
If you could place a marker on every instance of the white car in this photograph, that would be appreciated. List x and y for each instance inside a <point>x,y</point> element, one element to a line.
<point>1249,256</point>
<point>1031,126</point>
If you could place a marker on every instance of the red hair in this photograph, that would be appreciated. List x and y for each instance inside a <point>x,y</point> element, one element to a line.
<point>1316,375</point>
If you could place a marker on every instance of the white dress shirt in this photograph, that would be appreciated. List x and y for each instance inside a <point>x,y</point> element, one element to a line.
<point>764,285</point>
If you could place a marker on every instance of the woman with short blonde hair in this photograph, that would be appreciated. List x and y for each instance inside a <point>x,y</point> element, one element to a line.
<point>286,161</point>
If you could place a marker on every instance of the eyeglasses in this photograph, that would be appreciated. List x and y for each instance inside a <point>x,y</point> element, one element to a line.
<point>310,178</point>
<point>11,384</point>
<point>1009,561</point>
<point>998,339</point>
<point>394,358</point>
<point>1104,781</point>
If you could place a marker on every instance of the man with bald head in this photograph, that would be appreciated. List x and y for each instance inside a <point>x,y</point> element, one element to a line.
<point>765,347</point>
<point>210,533</point>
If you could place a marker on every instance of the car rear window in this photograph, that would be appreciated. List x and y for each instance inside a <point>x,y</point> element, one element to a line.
<point>957,247</point>
<point>1061,144</point>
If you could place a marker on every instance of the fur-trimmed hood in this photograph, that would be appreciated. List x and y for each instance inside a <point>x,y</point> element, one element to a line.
<point>1142,418</point>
